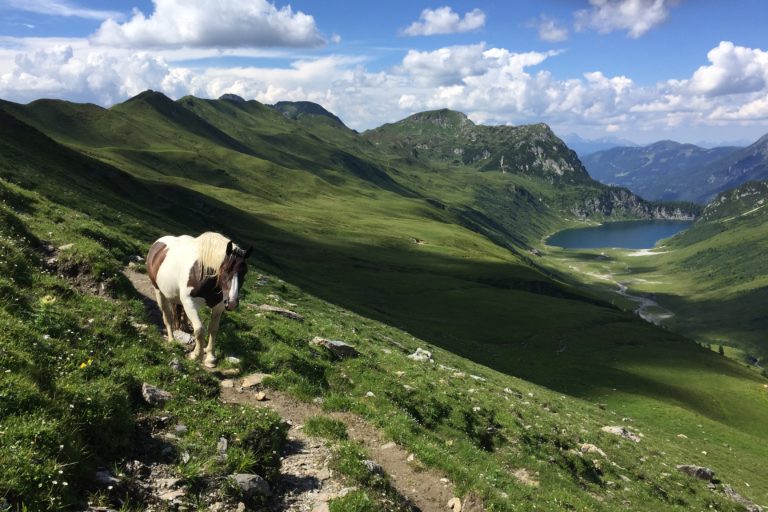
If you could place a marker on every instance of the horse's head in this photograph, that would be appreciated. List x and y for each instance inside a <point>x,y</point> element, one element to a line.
<point>232,274</point>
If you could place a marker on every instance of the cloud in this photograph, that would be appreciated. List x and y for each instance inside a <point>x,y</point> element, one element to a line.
<point>212,23</point>
<point>635,16</point>
<point>732,70</point>
<point>549,29</point>
<point>62,8</point>
<point>444,20</point>
<point>490,84</point>
<point>444,66</point>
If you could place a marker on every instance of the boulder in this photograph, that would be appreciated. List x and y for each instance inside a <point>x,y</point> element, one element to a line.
<point>421,355</point>
<point>251,484</point>
<point>338,348</point>
<point>699,472</point>
<point>154,395</point>
<point>590,448</point>
<point>623,432</point>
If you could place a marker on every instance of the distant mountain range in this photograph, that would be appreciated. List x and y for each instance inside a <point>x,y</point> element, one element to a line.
<point>668,170</point>
<point>584,147</point>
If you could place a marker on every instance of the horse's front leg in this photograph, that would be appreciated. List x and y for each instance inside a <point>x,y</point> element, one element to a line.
<point>213,329</point>
<point>190,308</point>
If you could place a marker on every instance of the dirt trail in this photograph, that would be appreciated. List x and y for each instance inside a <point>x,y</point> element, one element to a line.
<point>424,488</point>
<point>306,482</point>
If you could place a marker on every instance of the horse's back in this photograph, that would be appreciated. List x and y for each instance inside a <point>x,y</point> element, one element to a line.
<point>168,262</point>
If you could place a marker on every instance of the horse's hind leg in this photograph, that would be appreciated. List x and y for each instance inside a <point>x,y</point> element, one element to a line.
<point>167,310</point>
<point>213,328</point>
<point>190,308</point>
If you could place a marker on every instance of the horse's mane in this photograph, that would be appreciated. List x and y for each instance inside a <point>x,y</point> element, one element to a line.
<point>211,250</point>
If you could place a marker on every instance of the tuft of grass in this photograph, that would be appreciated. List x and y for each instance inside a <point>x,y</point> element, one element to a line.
<point>355,501</point>
<point>327,428</point>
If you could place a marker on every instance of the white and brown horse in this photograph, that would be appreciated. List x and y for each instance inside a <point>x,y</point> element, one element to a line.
<point>191,272</point>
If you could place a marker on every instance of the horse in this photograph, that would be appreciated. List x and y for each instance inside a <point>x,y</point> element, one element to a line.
<point>190,272</point>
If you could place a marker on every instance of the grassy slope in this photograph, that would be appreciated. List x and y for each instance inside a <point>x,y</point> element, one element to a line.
<point>479,431</point>
<point>348,239</point>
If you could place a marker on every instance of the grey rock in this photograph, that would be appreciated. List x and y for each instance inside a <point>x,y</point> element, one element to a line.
<point>137,469</point>
<point>699,472</point>
<point>174,495</point>
<point>741,500</point>
<point>338,348</point>
<point>421,355</point>
<point>623,432</point>
<point>222,446</point>
<point>154,395</point>
<point>373,467</point>
<point>253,379</point>
<point>183,337</point>
<point>281,311</point>
<point>104,478</point>
<point>251,485</point>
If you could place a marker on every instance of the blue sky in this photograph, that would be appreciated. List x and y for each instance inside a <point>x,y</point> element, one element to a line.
<point>644,70</point>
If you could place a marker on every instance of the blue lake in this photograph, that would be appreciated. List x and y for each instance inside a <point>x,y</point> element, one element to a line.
<point>636,234</point>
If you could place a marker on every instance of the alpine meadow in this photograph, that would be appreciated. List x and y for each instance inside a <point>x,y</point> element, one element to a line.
<point>399,329</point>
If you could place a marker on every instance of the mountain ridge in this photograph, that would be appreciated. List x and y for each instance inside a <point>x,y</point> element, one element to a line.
<point>670,170</point>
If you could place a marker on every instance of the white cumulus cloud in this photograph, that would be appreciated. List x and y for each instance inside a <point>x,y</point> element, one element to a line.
<point>212,23</point>
<point>635,16</point>
<point>490,84</point>
<point>732,70</point>
<point>444,20</point>
<point>549,29</point>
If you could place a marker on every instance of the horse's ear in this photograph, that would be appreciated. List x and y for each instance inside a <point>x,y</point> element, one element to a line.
<point>248,252</point>
<point>229,247</point>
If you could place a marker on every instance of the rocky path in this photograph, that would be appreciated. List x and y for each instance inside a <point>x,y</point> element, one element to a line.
<point>425,489</point>
<point>306,483</point>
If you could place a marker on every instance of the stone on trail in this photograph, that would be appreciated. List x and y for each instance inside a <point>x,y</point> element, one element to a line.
<point>183,337</point>
<point>421,355</point>
<point>251,485</point>
<point>621,431</point>
<point>253,379</point>
<point>338,348</point>
<point>454,504</point>
<point>154,395</point>
<point>373,467</point>
<point>104,477</point>
<point>172,496</point>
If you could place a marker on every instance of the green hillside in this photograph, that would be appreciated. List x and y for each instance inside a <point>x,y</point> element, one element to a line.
<point>438,252</point>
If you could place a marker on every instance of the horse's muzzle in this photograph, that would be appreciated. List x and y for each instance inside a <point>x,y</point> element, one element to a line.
<point>230,305</point>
